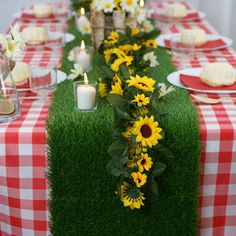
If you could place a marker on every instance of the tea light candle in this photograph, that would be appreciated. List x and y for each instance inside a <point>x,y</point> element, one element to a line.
<point>83,58</point>
<point>86,95</point>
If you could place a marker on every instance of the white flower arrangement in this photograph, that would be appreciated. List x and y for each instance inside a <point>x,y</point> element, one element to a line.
<point>84,26</point>
<point>148,26</point>
<point>12,44</point>
<point>152,58</point>
<point>108,6</point>
<point>163,89</point>
<point>77,71</point>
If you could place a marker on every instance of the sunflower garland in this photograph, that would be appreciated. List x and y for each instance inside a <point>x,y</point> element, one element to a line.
<point>134,96</point>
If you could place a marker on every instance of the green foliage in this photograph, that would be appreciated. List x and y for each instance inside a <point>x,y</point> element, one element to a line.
<point>82,197</point>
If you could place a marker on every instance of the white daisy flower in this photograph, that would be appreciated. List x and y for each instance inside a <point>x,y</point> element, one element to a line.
<point>152,58</point>
<point>108,5</point>
<point>140,15</point>
<point>129,6</point>
<point>163,91</point>
<point>78,70</point>
<point>147,26</point>
<point>84,26</point>
<point>13,43</point>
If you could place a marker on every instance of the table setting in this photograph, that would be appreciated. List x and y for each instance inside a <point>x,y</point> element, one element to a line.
<point>116,118</point>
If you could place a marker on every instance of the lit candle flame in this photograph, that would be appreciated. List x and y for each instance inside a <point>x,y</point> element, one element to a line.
<point>82,46</point>
<point>85,79</point>
<point>141,3</point>
<point>82,11</point>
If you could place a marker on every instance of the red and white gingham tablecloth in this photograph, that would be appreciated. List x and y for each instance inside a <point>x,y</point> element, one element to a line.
<point>23,186</point>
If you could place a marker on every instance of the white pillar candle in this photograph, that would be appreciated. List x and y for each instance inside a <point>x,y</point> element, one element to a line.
<point>86,96</point>
<point>83,58</point>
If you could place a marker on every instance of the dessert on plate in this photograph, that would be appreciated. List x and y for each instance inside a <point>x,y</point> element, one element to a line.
<point>218,74</point>
<point>35,35</point>
<point>176,10</point>
<point>199,35</point>
<point>20,74</point>
<point>42,10</point>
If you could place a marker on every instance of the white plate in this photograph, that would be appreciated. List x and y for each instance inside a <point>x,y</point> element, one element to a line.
<point>18,15</point>
<point>61,76</point>
<point>69,37</point>
<point>201,15</point>
<point>174,79</point>
<point>161,41</point>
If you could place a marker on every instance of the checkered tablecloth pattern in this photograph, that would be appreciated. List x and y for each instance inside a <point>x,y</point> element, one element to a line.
<point>217,198</point>
<point>23,185</point>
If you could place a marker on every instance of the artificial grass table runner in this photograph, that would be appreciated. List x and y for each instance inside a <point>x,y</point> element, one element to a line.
<point>83,200</point>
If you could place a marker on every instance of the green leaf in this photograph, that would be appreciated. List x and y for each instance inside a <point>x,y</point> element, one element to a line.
<point>122,114</point>
<point>115,99</point>
<point>118,149</point>
<point>114,167</point>
<point>158,169</point>
<point>124,72</point>
<point>154,186</point>
<point>161,149</point>
<point>124,159</point>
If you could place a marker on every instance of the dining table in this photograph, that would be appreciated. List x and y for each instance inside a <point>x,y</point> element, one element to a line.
<point>24,191</point>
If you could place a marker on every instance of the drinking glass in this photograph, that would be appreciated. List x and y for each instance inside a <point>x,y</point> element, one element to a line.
<point>182,52</point>
<point>43,79</point>
<point>9,100</point>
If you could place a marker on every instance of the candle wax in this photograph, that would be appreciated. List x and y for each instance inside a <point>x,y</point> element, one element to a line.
<point>86,97</point>
<point>83,59</point>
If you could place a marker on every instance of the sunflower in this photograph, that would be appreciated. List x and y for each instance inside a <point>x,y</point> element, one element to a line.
<point>135,31</point>
<point>143,111</point>
<point>143,83</point>
<point>139,178</point>
<point>136,47</point>
<point>117,88</point>
<point>108,53</point>
<point>145,163</point>
<point>147,131</point>
<point>117,4</point>
<point>151,43</point>
<point>112,39</point>
<point>102,88</point>
<point>122,60</point>
<point>141,100</point>
<point>131,196</point>
<point>128,132</point>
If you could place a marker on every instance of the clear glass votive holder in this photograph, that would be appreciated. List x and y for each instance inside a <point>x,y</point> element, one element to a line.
<point>85,96</point>
<point>182,51</point>
<point>83,57</point>
<point>43,79</point>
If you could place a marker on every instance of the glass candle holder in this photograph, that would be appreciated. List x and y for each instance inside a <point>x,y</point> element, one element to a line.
<point>181,51</point>
<point>85,96</point>
<point>83,56</point>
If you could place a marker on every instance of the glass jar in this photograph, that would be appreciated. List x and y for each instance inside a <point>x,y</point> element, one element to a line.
<point>9,100</point>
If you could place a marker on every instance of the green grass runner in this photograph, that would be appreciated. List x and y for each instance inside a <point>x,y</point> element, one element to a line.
<point>83,200</point>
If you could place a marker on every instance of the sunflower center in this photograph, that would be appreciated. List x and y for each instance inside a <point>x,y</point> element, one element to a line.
<point>146,131</point>
<point>140,100</point>
<point>143,162</point>
<point>144,85</point>
<point>139,180</point>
